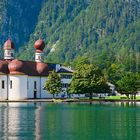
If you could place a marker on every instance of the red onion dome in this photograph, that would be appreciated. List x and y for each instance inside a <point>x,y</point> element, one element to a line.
<point>15,66</point>
<point>42,68</point>
<point>39,45</point>
<point>3,67</point>
<point>9,45</point>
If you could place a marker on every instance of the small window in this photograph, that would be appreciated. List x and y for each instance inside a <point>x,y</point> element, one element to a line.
<point>3,84</point>
<point>12,55</point>
<point>65,85</point>
<point>35,85</point>
<point>11,85</point>
<point>39,57</point>
<point>27,85</point>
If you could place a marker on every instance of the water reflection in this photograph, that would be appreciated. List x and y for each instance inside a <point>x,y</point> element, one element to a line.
<point>19,121</point>
<point>37,123</point>
<point>103,121</point>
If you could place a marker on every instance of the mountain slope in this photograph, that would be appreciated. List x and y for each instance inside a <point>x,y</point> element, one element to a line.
<point>103,31</point>
<point>86,27</point>
<point>54,17</point>
<point>18,19</point>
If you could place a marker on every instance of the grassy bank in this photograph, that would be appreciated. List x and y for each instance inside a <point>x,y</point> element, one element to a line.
<point>106,99</point>
<point>110,98</point>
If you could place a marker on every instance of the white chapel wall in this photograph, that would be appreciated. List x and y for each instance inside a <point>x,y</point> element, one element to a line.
<point>18,89</point>
<point>3,90</point>
<point>32,88</point>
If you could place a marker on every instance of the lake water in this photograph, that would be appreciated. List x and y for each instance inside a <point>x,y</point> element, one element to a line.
<point>48,121</point>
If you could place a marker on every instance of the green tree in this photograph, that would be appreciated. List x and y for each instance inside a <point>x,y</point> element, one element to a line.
<point>88,79</point>
<point>80,60</point>
<point>53,84</point>
<point>108,35</point>
<point>114,73</point>
<point>128,85</point>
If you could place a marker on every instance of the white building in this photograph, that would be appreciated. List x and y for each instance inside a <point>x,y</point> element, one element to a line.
<point>25,79</point>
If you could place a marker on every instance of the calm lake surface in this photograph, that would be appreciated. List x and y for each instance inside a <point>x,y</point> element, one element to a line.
<point>47,121</point>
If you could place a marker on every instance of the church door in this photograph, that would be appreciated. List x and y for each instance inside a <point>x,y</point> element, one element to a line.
<point>35,94</point>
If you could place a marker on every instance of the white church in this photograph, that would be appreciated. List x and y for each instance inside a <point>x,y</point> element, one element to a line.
<point>21,80</point>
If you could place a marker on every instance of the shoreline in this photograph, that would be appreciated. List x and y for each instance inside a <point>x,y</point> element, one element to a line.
<point>68,100</point>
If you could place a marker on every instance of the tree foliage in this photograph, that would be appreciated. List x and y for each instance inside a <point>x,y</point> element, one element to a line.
<point>114,73</point>
<point>53,83</point>
<point>128,84</point>
<point>105,31</point>
<point>18,20</point>
<point>88,79</point>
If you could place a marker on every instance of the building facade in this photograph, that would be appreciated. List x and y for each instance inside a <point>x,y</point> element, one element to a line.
<point>21,80</point>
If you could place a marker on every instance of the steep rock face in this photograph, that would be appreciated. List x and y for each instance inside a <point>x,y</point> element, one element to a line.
<point>18,19</point>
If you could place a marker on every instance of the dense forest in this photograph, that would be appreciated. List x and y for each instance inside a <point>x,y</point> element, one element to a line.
<point>18,20</point>
<point>102,32</point>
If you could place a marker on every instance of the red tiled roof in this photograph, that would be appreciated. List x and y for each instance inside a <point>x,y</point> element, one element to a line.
<point>4,67</point>
<point>29,68</point>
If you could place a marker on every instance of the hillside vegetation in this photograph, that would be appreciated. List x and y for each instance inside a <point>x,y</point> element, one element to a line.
<point>103,32</point>
<point>18,19</point>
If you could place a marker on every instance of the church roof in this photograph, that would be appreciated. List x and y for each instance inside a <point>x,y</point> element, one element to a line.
<point>51,66</point>
<point>39,45</point>
<point>29,68</point>
<point>9,45</point>
<point>4,67</point>
<point>64,69</point>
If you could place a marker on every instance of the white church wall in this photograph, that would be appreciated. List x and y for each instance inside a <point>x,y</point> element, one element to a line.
<point>3,88</point>
<point>34,87</point>
<point>17,87</point>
